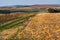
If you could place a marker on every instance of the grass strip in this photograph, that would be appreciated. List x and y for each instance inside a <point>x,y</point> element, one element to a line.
<point>12,24</point>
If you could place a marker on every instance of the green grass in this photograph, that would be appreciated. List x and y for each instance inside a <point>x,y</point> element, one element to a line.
<point>14,23</point>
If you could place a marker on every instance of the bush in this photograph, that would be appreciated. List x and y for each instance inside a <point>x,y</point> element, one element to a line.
<point>51,10</point>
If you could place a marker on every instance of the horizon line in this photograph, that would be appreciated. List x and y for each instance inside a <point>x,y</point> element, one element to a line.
<point>29,4</point>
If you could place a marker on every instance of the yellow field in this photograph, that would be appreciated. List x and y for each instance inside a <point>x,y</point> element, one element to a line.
<point>45,26</point>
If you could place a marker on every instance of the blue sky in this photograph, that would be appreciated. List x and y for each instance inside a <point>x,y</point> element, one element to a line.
<point>27,2</point>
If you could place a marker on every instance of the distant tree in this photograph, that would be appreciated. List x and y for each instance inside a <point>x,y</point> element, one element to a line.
<point>53,10</point>
<point>5,11</point>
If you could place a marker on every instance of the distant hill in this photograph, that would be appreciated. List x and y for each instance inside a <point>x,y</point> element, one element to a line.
<point>45,6</point>
<point>35,6</point>
<point>17,6</point>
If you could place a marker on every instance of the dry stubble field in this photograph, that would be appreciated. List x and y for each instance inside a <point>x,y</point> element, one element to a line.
<point>45,26</point>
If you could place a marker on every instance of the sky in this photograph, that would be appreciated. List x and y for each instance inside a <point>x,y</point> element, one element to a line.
<point>27,2</point>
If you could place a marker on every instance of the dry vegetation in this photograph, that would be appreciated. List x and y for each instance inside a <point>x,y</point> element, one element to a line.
<point>6,34</point>
<point>28,24</point>
<point>43,26</point>
<point>8,17</point>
